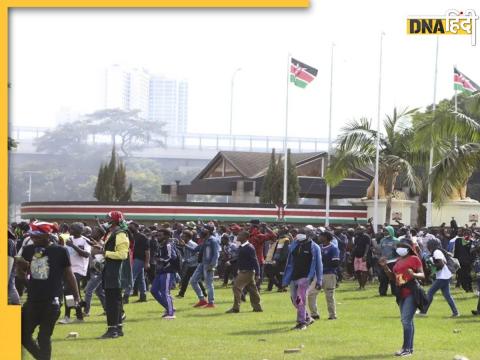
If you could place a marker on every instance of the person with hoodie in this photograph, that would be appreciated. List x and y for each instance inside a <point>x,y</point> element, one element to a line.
<point>387,248</point>
<point>304,265</point>
<point>442,277</point>
<point>209,252</point>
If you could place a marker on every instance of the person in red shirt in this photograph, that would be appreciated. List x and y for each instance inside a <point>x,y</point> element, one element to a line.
<point>407,268</point>
<point>259,233</point>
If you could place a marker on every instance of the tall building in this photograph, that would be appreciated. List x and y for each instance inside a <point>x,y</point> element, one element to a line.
<point>158,98</point>
<point>168,103</point>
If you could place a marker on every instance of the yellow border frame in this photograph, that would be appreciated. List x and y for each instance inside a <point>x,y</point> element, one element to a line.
<point>10,315</point>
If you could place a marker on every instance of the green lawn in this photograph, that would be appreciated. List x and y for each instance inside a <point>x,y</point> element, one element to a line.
<point>368,328</point>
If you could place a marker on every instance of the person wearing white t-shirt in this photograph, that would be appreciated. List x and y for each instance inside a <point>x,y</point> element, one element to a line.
<point>442,277</point>
<point>79,250</point>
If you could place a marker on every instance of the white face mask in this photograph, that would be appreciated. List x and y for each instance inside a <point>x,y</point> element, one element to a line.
<point>402,251</point>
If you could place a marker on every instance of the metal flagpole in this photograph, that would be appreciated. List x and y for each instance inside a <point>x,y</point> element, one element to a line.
<point>456,108</point>
<point>285,178</point>
<point>377,155</point>
<point>430,165</point>
<point>327,195</point>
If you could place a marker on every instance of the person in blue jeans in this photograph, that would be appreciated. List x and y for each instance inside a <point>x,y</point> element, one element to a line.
<point>209,252</point>
<point>167,265</point>
<point>407,268</point>
<point>141,263</point>
<point>442,277</point>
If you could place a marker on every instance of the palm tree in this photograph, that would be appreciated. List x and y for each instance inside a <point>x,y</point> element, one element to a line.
<point>455,137</point>
<point>356,149</point>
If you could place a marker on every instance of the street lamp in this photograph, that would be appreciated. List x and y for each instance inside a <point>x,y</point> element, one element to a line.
<point>231,101</point>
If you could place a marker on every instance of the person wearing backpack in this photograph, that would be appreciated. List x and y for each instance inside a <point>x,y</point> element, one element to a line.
<point>167,265</point>
<point>442,276</point>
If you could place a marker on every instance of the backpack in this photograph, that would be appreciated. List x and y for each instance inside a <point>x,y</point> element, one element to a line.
<point>452,263</point>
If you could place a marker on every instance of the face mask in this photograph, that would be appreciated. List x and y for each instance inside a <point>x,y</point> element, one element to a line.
<point>301,237</point>
<point>402,251</point>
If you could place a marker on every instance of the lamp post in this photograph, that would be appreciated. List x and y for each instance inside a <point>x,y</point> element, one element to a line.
<point>231,101</point>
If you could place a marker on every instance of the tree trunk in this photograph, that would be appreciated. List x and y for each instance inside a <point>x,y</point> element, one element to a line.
<point>389,187</point>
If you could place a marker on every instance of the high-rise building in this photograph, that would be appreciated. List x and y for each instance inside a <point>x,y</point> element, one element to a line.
<point>160,99</point>
<point>168,103</point>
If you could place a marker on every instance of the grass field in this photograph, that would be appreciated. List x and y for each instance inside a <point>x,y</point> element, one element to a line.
<point>368,327</point>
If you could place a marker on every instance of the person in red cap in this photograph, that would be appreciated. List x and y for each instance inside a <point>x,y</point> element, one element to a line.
<point>48,265</point>
<point>116,251</point>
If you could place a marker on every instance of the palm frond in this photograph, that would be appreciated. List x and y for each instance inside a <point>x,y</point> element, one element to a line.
<point>344,162</point>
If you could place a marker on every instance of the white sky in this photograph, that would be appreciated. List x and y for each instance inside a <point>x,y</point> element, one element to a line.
<point>58,58</point>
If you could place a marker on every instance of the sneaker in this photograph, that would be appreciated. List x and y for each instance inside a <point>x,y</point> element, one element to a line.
<point>258,310</point>
<point>201,303</point>
<point>209,305</point>
<point>332,318</point>
<point>475,312</point>
<point>315,317</point>
<point>65,320</point>
<point>169,317</point>
<point>403,352</point>
<point>124,316</point>
<point>111,333</point>
<point>120,330</point>
<point>232,311</point>
<point>310,322</point>
<point>455,315</point>
<point>300,327</point>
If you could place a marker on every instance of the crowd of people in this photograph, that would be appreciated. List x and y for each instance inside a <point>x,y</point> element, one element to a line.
<point>116,259</point>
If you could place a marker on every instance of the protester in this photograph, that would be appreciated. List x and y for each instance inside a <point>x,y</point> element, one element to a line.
<point>79,251</point>
<point>462,251</point>
<point>47,265</point>
<point>442,277</point>
<point>248,271</point>
<point>116,251</point>
<point>330,262</point>
<point>208,260</point>
<point>304,264</point>
<point>229,256</point>
<point>407,269</point>
<point>97,262</point>
<point>387,249</point>
<point>141,263</point>
<point>361,247</point>
<point>167,265</point>
<point>259,234</point>
<point>190,262</point>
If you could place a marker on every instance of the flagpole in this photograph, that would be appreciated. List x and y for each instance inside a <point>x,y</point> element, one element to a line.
<point>285,178</point>
<point>456,108</point>
<point>327,195</point>
<point>377,145</point>
<point>430,165</point>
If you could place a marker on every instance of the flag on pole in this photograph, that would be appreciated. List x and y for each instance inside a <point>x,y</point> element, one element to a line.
<point>301,74</point>
<point>463,83</point>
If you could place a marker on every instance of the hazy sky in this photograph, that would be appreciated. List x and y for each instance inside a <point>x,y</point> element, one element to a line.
<point>58,59</point>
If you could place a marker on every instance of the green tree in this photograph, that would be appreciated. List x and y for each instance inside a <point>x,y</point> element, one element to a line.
<point>293,186</point>
<point>128,128</point>
<point>266,194</point>
<point>356,149</point>
<point>112,181</point>
<point>455,138</point>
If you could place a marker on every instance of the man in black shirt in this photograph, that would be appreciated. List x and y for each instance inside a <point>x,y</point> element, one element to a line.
<point>360,251</point>
<point>141,263</point>
<point>48,264</point>
<point>248,273</point>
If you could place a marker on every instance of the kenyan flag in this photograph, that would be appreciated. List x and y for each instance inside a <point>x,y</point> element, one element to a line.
<point>463,83</point>
<point>301,74</point>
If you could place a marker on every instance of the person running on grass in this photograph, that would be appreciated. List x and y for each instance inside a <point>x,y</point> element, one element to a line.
<point>407,268</point>
<point>442,277</point>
